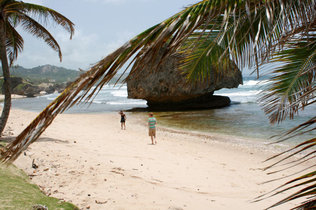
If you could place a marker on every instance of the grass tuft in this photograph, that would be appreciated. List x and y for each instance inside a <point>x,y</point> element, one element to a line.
<point>16,192</point>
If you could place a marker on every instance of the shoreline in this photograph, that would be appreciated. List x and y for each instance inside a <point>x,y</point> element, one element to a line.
<point>242,142</point>
<point>88,160</point>
<point>13,96</point>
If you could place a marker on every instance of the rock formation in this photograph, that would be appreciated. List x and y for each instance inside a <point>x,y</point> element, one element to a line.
<point>20,86</point>
<point>168,88</point>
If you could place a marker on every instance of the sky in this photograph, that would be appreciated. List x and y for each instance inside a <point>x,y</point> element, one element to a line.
<point>101,26</point>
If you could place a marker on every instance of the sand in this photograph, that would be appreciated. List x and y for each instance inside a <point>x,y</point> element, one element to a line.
<point>88,160</point>
<point>13,96</point>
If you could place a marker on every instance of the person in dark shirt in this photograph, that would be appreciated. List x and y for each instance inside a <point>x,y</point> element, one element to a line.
<point>123,120</point>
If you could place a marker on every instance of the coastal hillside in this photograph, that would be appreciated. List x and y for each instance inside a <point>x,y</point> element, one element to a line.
<point>52,74</point>
<point>39,80</point>
<point>44,79</point>
<point>45,73</point>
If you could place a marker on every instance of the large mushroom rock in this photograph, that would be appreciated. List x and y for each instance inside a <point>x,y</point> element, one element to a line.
<point>168,88</point>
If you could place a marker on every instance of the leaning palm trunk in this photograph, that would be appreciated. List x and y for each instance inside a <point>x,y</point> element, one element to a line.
<point>6,80</point>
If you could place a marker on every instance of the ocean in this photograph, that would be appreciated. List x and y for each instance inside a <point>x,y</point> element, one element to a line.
<point>244,117</point>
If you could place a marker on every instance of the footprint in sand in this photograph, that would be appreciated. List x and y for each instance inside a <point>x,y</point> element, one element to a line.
<point>118,171</point>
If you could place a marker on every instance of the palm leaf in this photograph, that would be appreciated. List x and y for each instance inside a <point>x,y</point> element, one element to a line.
<point>308,204</point>
<point>14,43</point>
<point>308,191</point>
<point>309,181</point>
<point>198,63</point>
<point>292,88</point>
<point>301,148</point>
<point>43,13</point>
<point>37,30</point>
<point>17,13</point>
<point>297,131</point>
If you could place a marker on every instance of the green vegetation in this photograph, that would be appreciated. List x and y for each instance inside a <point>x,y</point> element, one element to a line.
<point>20,87</point>
<point>2,144</point>
<point>16,192</point>
<point>45,74</point>
<point>1,83</point>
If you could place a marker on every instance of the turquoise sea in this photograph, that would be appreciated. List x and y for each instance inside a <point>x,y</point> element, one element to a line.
<point>244,117</point>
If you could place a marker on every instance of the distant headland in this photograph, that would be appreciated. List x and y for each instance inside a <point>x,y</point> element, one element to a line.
<point>39,80</point>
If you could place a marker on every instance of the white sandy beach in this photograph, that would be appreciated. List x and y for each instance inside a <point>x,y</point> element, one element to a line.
<point>13,96</point>
<point>88,160</point>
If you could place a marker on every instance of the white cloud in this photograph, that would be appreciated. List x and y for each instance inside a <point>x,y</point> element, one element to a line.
<point>82,51</point>
<point>75,52</point>
<point>100,27</point>
<point>86,49</point>
<point>122,38</point>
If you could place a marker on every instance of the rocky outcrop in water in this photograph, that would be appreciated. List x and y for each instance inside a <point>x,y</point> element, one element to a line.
<point>20,86</point>
<point>167,87</point>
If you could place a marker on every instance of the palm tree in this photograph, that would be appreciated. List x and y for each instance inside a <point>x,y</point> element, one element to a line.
<point>250,32</point>
<point>17,13</point>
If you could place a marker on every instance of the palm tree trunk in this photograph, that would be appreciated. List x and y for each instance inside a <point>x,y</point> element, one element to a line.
<point>6,79</point>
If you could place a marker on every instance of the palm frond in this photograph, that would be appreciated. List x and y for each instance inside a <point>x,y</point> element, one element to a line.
<point>306,151</point>
<point>303,183</point>
<point>308,204</point>
<point>307,145</point>
<point>307,191</point>
<point>14,43</point>
<point>308,179</point>
<point>33,27</point>
<point>42,13</point>
<point>301,129</point>
<point>259,32</point>
<point>293,86</point>
<point>199,63</point>
<point>18,13</point>
<point>251,31</point>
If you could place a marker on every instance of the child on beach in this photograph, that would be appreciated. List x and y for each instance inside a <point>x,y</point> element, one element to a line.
<point>152,127</point>
<point>123,119</point>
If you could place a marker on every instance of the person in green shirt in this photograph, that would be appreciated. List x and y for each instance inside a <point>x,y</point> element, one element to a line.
<point>152,128</point>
